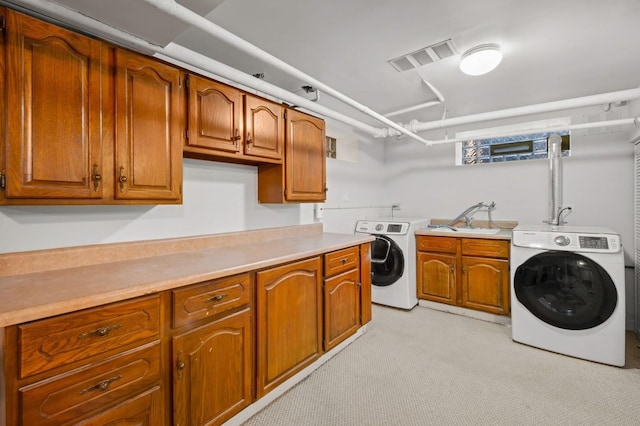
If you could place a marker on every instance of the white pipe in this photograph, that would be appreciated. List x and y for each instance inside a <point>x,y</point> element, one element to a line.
<point>189,58</point>
<point>423,105</point>
<point>620,122</point>
<point>176,10</point>
<point>622,95</point>
<point>186,58</point>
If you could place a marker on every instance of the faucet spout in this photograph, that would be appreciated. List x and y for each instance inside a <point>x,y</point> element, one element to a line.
<point>466,215</point>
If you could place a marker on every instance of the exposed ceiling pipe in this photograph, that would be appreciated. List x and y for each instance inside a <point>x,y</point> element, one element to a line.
<point>622,95</point>
<point>186,15</point>
<point>621,122</point>
<point>184,57</point>
<point>423,105</point>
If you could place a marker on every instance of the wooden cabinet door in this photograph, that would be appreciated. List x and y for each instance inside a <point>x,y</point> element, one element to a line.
<point>264,123</point>
<point>149,128</point>
<point>305,162</point>
<point>215,116</point>
<point>289,321</point>
<point>485,284</point>
<point>436,276</point>
<point>341,307</point>
<point>213,371</point>
<point>53,140</point>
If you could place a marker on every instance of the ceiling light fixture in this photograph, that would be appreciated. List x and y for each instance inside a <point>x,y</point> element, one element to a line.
<point>480,59</point>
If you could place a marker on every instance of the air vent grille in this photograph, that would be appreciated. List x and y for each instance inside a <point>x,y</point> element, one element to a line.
<point>424,56</point>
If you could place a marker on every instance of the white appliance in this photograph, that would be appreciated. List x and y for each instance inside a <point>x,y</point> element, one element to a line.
<point>568,291</point>
<point>393,259</point>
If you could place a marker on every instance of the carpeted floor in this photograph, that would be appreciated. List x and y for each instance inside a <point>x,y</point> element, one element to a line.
<point>426,367</point>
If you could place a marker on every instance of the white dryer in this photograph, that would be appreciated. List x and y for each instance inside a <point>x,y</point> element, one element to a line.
<point>568,291</point>
<point>393,259</point>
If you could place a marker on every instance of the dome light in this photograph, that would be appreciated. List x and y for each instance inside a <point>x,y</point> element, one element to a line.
<point>480,59</point>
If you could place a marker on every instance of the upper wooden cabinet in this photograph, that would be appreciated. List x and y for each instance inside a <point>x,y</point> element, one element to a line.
<point>264,128</point>
<point>149,126</point>
<point>86,123</point>
<point>215,117</point>
<point>53,78</point>
<point>303,176</point>
<point>228,125</point>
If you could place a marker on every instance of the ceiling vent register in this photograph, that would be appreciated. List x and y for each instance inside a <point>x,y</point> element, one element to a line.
<point>426,55</point>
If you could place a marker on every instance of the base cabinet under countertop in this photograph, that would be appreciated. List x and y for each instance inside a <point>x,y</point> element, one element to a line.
<point>471,273</point>
<point>194,355</point>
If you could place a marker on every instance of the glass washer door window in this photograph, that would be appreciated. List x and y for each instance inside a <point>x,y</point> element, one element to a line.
<point>387,261</point>
<point>566,290</point>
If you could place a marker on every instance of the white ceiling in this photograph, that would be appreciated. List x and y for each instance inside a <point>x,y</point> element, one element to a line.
<point>553,49</point>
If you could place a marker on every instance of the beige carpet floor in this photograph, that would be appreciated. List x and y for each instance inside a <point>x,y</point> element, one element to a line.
<point>426,367</point>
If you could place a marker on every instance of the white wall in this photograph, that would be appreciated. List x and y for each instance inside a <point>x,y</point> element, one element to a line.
<point>355,180</point>
<point>218,197</point>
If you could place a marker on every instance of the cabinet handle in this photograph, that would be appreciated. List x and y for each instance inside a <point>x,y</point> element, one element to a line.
<point>100,332</point>
<point>97,177</point>
<point>101,386</point>
<point>180,365</point>
<point>216,298</point>
<point>122,179</point>
<point>343,261</point>
<point>249,142</point>
<point>452,268</point>
<point>237,136</point>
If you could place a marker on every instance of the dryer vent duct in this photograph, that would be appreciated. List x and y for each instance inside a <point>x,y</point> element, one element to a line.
<point>555,181</point>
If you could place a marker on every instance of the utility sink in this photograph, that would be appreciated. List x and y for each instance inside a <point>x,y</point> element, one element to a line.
<point>482,231</point>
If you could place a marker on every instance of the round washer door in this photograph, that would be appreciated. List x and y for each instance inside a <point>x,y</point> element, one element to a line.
<point>387,261</point>
<point>566,290</point>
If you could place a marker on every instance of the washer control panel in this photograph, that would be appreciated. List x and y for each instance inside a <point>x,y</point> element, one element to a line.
<point>386,228</point>
<point>559,240</point>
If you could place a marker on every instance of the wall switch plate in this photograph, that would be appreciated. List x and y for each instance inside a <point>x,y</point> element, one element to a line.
<point>319,210</point>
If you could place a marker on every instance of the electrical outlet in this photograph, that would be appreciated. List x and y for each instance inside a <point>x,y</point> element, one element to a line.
<point>319,210</point>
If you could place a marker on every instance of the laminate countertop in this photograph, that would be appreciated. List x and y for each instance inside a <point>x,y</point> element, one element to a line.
<point>503,234</point>
<point>35,285</point>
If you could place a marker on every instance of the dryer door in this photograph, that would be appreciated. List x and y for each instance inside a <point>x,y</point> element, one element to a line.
<point>387,261</point>
<point>566,290</point>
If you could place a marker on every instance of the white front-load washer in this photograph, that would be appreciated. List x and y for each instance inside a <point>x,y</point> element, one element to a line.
<point>568,291</point>
<point>393,259</point>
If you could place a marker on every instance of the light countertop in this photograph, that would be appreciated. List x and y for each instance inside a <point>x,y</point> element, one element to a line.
<point>503,234</point>
<point>34,295</point>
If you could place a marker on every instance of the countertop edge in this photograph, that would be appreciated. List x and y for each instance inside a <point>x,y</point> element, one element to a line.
<point>121,280</point>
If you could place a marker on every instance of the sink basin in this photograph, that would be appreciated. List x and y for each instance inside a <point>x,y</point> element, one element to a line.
<point>483,231</point>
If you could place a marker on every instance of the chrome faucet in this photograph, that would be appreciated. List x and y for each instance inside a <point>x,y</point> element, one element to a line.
<point>466,214</point>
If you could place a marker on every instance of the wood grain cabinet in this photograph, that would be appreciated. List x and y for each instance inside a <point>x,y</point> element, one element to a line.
<point>86,123</point>
<point>289,321</point>
<point>212,351</point>
<point>302,177</point>
<point>53,81</point>
<point>341,295</point>
<point>87,367</point>
<point>468,272</point>
<point>226,124</point>
<point>149,128</point>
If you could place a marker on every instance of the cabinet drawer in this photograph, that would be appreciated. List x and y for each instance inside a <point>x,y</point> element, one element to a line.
<point>70,397</point>
<point>487,248</point>
<point>439,244</point>
<point>64,339</point>
<point>341,260</point>
<point>210,298</point>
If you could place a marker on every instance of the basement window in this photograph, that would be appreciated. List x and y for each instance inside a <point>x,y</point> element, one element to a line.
<point>511,148</point>
<point>331,147</point>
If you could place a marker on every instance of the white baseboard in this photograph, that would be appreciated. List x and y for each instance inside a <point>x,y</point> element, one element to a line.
<point>258,405</point>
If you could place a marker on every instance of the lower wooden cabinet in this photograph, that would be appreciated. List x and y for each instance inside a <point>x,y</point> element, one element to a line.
<point>468,272</point>
<point>289,321</point>
<point>212,370</point>
<point>188,356</point>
